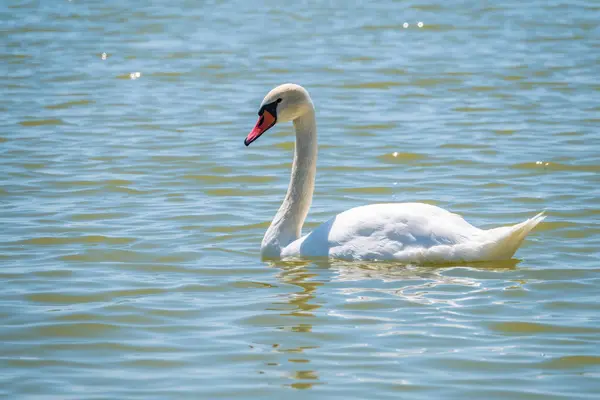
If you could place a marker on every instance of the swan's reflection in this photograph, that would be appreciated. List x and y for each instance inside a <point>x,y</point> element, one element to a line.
<point>389,271</point>
<point>415,284</point>
<point>300,306</point>
<point>297,274</point>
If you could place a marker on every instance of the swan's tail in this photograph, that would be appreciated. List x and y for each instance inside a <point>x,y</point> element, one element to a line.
<point>503,242</point>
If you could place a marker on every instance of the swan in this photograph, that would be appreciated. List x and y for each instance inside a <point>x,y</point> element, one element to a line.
<point>406,232</point>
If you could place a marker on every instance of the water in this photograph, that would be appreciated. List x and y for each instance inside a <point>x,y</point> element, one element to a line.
<point>132,213</point>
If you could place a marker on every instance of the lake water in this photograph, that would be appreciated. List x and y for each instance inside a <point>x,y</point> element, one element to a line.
<point>132,213</point>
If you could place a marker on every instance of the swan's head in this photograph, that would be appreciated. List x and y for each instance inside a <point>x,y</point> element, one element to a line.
<point>282,104</point>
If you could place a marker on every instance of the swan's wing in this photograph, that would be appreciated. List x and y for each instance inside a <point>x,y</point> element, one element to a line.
<point>383,231</point>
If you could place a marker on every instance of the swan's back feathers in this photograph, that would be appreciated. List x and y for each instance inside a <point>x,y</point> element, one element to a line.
<point>408,232</point>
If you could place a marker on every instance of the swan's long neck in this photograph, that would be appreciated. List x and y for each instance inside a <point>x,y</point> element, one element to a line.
<point>288,221</point>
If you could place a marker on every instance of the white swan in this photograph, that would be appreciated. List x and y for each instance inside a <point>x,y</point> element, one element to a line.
<point>407,232</point>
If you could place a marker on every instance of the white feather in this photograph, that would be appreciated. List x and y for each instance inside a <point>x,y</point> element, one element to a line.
<point>408,232</point>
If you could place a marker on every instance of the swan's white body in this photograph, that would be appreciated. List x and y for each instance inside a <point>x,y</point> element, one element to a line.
<point>407,232</point>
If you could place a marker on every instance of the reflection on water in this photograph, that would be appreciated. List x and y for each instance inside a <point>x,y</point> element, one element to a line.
<point>298,275</point>
<point>301,307</point>
<point>413,284</point>
<point>416,284</point>
<point>389,271</point>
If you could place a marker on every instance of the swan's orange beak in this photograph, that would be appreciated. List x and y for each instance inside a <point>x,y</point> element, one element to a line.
<point>264,123</point>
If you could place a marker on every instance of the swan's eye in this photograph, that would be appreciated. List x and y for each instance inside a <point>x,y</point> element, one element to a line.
<point>271,107</point>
